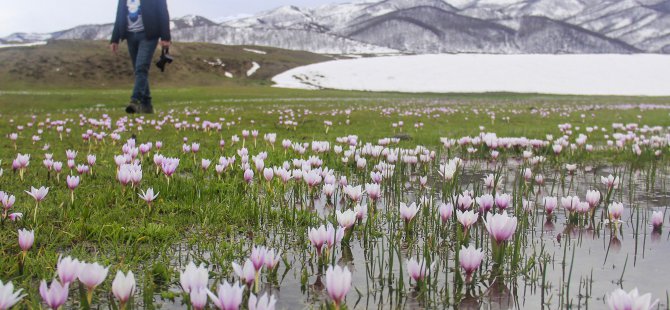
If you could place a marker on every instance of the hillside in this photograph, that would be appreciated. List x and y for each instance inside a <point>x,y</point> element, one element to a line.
<point>428,26</point>
<point>66,63</point>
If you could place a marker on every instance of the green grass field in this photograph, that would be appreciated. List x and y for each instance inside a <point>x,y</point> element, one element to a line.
<point>202,217</point>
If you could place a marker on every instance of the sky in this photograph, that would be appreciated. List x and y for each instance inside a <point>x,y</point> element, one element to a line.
<point>53,15</point>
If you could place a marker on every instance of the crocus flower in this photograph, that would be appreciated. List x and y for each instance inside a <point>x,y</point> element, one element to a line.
<point>68,269</point>
<point>338,283</point>
<point>8,297</point>
<point>8,201</point>
<point>272,259</point>
<point>470,258</point>
<point>169,166</point>
<point>328,190</point>
<point>528,174</point>
<point>90,158</point>
<point>262,303</point>
<point>374,191</point>
<point>194,277</point>
<point>257,257</point>
<point>620,300</point>
<point>199,298</point>
<point>354,192</point>
<point>72,182</point>
<point>317,237</point>
<point>570,203</point>
<point>615,210</point>
<point>205,163</point>
<point>346,219</point>
<point>464,201</point>
<point>610,181</point>
<point>423,181</point>
<point>448,170</point>
<point>361,211</point>
<point>583,207</point>
<point>247,273</point>
<point>248,175</point>
<point>55,295</point>
<point>123,287</point>
<point>557,148</point>
<point>657,220</point>
<point>15,216</point>
<point>593,198</point>
<point>229,297</point>
<point>489,181</point>
<point>312,178</point>
<point>550,203</point>
<point>501,227</point>
<point>333,235</point>
<point>26,239</point>
<point>38,194</point>
<point>418,270</point>
<point>407,213</point>
<point>148,196</point>
<point>446,210</point>
<point>467,218</point>
<point>92,275</point>
<point>70,154</point>
<point>485,203</point>
<point>502,201</point>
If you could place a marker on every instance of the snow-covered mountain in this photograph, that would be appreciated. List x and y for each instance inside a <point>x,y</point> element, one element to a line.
<point>430,26</point>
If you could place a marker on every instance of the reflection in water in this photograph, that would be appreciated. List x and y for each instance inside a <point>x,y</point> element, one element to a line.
<point>549,226</point>
<point>469,303</point>
<point>615,245</point>
<point>498,296</point>
<point>656,236</point>
<point>600,255</point>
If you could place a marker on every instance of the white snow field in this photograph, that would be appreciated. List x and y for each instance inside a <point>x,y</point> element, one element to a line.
<point>641,74</point>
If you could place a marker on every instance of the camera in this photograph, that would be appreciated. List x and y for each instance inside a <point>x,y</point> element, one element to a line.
<point>164,60</point>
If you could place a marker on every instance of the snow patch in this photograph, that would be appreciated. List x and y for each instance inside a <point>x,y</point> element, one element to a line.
<point>254,67</point>
<point>216,63</point>
<point>255,51</point>
<point>23,44</point>
<point>443,73</point>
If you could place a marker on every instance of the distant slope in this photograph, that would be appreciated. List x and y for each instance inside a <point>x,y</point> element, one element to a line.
<point>542,35</point>
<point>64,63</point>
<point>433,30</point>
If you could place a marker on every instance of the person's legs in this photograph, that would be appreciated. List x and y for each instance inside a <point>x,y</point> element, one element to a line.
<point>145,53</point>
<point>133,47</point>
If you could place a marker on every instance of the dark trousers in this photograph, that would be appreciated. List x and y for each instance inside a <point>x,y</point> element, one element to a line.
<point>141,53</point>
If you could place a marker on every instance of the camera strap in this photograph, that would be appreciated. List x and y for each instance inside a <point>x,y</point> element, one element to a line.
<point>165,51</point>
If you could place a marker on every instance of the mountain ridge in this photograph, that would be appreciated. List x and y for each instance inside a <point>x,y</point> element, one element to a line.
<point>428,26</point>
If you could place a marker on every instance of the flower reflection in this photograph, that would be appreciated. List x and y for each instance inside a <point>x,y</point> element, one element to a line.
<point>469,302</point>
<point>549,225</point>
<point>615,245</point>
<point>498,296</point>
<point>655,236</point>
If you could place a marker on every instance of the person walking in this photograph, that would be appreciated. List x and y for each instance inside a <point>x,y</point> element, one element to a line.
<point>142,23</point>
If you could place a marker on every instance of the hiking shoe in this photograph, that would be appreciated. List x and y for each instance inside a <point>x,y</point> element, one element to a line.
<point>133,107</point>
<point>147,109</point>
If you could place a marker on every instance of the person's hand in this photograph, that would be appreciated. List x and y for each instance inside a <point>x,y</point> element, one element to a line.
<point>165,44</point>
<point>114,47</point>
